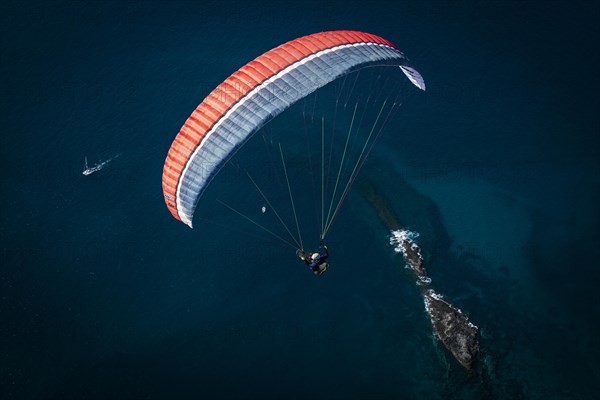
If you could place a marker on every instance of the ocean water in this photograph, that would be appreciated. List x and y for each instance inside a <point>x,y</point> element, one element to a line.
<point>105,295</point>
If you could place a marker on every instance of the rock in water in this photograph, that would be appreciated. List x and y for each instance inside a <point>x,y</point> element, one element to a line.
<point>452,327</point>
<point>403,242</point>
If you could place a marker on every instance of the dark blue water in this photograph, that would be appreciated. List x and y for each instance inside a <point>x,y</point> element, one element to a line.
<point>104,295</point>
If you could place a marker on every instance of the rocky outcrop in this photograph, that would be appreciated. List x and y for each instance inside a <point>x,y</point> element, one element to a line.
<point>450,325</point>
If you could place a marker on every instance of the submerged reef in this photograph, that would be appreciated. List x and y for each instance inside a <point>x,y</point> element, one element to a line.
<point>450,325</point>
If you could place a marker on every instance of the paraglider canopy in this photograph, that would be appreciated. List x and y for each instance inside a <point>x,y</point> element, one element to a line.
<point>255,94</point>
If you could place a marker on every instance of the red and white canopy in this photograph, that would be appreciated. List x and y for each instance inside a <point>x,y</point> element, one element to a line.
<point>255,94</point>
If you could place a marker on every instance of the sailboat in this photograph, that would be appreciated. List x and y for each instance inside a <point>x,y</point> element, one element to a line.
<point>87,170</point>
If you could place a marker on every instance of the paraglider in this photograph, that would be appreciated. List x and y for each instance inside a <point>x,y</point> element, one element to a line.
<point>254,95</point>
<point>315,261</point>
